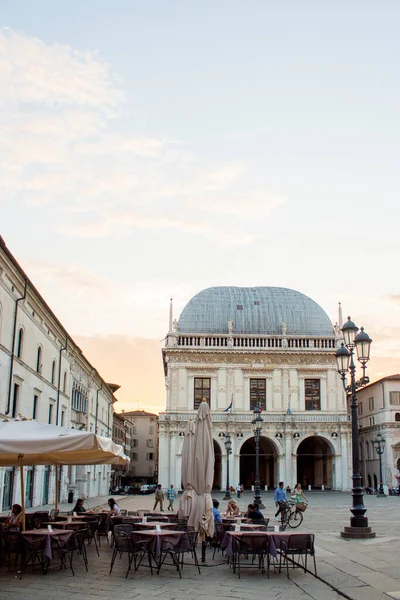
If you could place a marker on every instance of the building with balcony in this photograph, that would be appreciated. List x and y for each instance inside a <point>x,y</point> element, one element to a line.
<point>45,376</point>
<point>144,444</point>
<point>379,412</point>
<point>268,347</point>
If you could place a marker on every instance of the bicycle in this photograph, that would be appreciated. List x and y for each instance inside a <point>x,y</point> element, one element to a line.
<point>291,515</point>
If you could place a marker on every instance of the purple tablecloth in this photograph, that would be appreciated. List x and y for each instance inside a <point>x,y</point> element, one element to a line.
<point>156,537</point>
<point>47,536</point>
<point>228,543</point>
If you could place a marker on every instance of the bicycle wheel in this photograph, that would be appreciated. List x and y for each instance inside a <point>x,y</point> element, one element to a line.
<point>295,519</point>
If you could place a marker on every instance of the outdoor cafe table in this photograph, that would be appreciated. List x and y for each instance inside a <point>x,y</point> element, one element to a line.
<point>156,537</point>
<point>47,537</point>
<point>273,537</point>
<point>153,524</point>
<point>65,525</point>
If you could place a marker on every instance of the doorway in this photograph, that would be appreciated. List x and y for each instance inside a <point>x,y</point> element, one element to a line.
<point>268,463</point>
<point>314,463</point>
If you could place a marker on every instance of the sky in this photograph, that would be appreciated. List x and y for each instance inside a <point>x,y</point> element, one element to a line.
<point>149,150</point>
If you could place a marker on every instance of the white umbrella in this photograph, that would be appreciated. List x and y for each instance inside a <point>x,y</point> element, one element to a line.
<point>185,503</point>
<point>201,515</point>
<point>26,442</point>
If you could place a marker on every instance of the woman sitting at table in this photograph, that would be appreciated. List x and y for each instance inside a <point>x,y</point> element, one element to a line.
<point>79,508</point>
<point>253,513</point>
<point>115,509</point>
<point>232,510</point>
<point>14,519</point>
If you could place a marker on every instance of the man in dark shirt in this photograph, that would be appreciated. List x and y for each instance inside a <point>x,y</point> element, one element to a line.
<point>253,513</point>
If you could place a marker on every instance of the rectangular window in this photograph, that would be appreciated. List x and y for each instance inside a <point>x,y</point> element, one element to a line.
<point>371,403</point>
<point>14,410</point>
<point>258,394</point>
<point>151,429</point>
<point>150,456</point>
<point>135,443</point>
<point>35,406</point>
<point>150,444</point>
<point>360,408</point>
<point>313,394</point>
<point>202,389</point>
<point>134,456</point>
<point>394,397</point>
<point>50,414</point>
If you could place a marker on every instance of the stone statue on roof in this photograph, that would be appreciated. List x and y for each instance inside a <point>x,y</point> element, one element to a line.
<point>284,328</point>
<point>230,327</point>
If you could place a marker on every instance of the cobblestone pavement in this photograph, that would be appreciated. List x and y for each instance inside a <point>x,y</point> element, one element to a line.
<point>355,569</point>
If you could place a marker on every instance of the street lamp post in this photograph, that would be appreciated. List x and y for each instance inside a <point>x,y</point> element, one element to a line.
<point>345,364</point>
<point>257,424</point>
<point>228,447</point>
<point>379,443</point>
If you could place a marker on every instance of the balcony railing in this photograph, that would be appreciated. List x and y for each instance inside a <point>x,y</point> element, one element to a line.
<point>250,342</point>
<point>267,417</point>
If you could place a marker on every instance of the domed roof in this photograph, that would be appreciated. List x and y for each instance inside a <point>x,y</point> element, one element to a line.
<point>254,310</point>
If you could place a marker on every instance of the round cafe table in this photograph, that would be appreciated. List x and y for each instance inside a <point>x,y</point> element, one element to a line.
<point>154,524</point>
<point>65,525</point>
<point>47,536</point>
<point>156,537</point>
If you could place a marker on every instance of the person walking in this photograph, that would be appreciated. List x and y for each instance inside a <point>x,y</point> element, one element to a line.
<point>171,494</point>
<point>280,499</point>
<point>159,498</point>
<point>238,490</point>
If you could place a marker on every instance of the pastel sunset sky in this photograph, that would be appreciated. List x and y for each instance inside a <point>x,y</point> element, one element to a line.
<point>150,149</point>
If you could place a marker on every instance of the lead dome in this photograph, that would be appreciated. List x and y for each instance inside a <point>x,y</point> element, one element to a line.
<point>254,310</point>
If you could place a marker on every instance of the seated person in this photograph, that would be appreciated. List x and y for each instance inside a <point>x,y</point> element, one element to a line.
<point>216,513</point>
<point>253,513</point>
<point>115,509</point>
<point>232,510</point>
<point>79,508</point>
<point>298,495</point>
<point>14,519</point>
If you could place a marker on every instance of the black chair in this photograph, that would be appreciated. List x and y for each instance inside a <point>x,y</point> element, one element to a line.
<point>220,530</point>
<point>103,528</point>
<point>54,514</point>
<point>79,542</point>
<point>187,544</point>
<point>250,546</point>
<point>12,544</point>
<point>91,531</point>
<point>33,555</point>
<point>65,550</point>
<point>299,545</point>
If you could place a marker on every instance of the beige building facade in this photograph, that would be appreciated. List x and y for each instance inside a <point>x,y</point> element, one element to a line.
<point>379,412</point>
<point>144,445</point>
<point>45,376</point>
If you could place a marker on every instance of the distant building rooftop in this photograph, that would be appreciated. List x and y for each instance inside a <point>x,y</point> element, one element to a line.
<point>137,413</point>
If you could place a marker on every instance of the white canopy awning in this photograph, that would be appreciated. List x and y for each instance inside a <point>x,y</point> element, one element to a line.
<point>31,443</point>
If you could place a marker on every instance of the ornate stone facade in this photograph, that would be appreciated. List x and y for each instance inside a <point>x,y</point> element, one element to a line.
<point>306,431</point>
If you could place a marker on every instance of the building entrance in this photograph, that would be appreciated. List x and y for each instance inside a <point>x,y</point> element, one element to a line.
<point>314,463</point>
<point>268,463</point>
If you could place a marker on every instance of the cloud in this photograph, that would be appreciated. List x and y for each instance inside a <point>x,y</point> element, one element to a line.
<point>68,140</point>
<point>132,363</point>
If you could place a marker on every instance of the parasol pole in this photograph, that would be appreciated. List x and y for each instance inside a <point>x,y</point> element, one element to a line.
<point>56,490</point>
<point>21,473</point>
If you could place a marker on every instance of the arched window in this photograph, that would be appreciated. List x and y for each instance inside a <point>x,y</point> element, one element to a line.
<point>20,342</point>
<point>367,450</point>
<point>39,360</point>
<point>53,372</point>
<point>397,417</point>
<point>65,382</point>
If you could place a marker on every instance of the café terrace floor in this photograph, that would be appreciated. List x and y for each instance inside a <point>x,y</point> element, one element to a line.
<point>355,569</point>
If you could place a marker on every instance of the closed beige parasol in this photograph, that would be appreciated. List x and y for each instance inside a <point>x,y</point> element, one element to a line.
<point>201,515</point>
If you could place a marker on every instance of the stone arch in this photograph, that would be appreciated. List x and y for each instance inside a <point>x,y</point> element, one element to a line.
<point>217,483</point>
<point>268,462</point>
<point>315,462</point>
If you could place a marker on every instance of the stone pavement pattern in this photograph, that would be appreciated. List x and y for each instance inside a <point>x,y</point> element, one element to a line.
<point>354,569</point>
